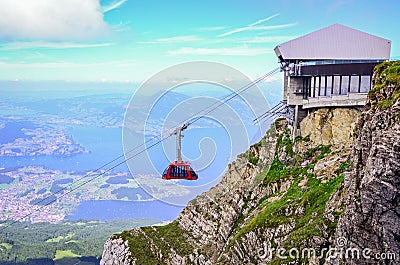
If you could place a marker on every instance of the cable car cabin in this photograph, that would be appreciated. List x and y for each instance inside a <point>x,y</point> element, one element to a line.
<point>179,170</point>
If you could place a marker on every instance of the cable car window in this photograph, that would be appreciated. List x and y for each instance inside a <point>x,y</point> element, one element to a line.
<point>183,171</point>
<point>193,174</point>
<point>166,171</point>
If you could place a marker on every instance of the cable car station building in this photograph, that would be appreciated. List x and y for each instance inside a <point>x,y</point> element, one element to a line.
<point>331,67</point>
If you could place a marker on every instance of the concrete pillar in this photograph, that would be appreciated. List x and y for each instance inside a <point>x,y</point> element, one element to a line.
<point>296,118</point>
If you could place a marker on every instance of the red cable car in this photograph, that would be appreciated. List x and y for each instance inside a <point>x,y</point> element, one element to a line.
<point>179,169</point>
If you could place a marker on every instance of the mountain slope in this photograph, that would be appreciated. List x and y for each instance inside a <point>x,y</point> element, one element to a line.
<point>287,201</point>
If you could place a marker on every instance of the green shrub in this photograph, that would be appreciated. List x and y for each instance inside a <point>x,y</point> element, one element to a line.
<point>343,167</point>
<point>387,74</point>
<point>253,159</point>
<point>320,151</point>
<point>385,104</point>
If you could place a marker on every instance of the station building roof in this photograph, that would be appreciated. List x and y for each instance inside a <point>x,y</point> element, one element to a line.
<point>335,42</point>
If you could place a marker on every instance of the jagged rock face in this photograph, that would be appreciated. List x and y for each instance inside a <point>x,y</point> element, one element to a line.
<point>308,194</point>
<point>330,126</point>
<point>371,221</point>
<point>116,251</point>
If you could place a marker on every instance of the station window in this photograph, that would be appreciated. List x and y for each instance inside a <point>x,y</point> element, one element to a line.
<point>336,85</point>
<point>345,85</point>
<point>328,85</point>
<point>322,86</point>
<point>355,81</point>
<point>312,90</point>
<point>365,83</point>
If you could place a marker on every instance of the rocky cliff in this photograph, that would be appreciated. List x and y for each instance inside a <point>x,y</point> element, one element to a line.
<point>371,221</point>
<point>331,126</point>
<point>290,201</point>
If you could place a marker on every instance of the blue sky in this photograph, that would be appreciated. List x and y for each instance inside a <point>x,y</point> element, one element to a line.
<point>130,40</point>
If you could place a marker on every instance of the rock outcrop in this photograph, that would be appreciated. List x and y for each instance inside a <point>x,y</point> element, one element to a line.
<point>331,126</point>
<point>293,201</point>
<point>116,251</point>
<point>371,221</point>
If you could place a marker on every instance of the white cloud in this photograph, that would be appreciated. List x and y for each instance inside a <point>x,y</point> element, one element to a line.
<point>255,26</point>
<point>269,39</point>
<point>264,19</point>
<point>51,19</point>
<point>121,27</point>
<point>73,65</point>
<point>238,51</point>
<point>281,26</point>
<point>113,5</point>
<point>50,45</point>
<point>249,27</point>
<point>179,39</point>
<point>215,28</point>
<point>176,39</point>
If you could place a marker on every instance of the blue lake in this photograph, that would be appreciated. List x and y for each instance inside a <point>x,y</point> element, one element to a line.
<point>12,131</point>
<point>112,209</point>
<point>104,145</point>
